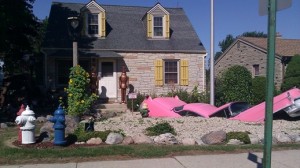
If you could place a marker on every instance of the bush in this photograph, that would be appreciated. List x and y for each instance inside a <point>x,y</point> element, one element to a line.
<point>292,75</point>
<point>79,100</point>
<point>135,102</point>
<point>193,97</point>
<point>259,90</point>
<point>83,136</point>
<point>235,85</point>
<point>160,128</point>
<point>242,136</point>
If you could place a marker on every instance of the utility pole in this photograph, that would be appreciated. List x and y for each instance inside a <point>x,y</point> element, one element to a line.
<point>212,62</point>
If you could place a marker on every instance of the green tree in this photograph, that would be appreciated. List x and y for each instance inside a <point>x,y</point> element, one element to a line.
<point>18,30</point>
<point>292,75</point>
<point>235,84</point>
<point>254,34</point>
<point>258,89</point>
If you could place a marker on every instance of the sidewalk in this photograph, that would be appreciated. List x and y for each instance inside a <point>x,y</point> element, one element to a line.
<point>280,159</point>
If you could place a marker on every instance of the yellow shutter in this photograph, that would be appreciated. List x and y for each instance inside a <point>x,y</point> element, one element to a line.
<point>103,25</point>
<point>158,72</point>
<point>184,72</point>
<point>149,25</point>
<point>167,26</point>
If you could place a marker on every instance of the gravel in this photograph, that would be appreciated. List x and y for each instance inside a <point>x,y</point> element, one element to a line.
<point>193,127</point>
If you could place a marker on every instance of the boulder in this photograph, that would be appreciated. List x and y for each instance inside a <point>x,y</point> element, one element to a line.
<point>114,138</point>
<point>41,119</point>
<point>283,138</point>
<point>199,142</point>
<point>235,142</point>
<point>215,137</point>
<point>94,141</point>
<point>254,139</point>
<point>127,140</point>
<point>142,139</point>
<point>167,138</point>
<point>188,141</point>
<point>3,125</point>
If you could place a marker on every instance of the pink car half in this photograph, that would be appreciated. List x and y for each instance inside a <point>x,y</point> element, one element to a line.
<point>288,101</point>
<point>174,107</point>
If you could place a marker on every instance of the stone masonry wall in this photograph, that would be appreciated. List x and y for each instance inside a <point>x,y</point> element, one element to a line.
<point>141,71</point>
<point>247,56</point>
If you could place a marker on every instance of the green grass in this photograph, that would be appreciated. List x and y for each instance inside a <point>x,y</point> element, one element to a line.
<point>9,155</point>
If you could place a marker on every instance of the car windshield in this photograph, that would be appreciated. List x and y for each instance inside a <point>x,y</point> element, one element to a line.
<point>238,107</point>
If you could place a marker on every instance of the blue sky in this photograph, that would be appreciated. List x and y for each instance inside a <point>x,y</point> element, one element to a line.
<point>231,16</point>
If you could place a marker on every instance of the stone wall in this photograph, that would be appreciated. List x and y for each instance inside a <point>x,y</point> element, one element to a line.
<point>141,71</point>
<point>246,55</point>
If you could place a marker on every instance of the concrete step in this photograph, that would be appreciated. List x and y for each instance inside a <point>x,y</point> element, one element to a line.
<point>111,107</point>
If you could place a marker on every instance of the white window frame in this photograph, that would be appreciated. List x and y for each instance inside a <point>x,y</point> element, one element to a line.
<point>162,26</point>
<point>88,24</point>
<point>177,71</point>
<point>255,71</point>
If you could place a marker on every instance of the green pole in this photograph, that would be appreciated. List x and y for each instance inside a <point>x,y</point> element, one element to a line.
<point>270,84</point>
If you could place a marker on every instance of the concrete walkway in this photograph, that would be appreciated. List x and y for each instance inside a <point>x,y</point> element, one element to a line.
<point>280,159</point>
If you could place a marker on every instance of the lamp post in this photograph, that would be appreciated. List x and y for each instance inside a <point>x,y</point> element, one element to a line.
<point>73,30</point>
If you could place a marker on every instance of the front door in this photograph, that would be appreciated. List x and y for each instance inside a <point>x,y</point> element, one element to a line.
<point>108,79</point>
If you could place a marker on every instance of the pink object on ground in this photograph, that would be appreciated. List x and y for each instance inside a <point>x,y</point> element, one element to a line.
<point>280,102</point>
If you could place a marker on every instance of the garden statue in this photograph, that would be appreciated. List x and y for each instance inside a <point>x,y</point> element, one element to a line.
<point>94,81</point>
<point>59,126</point>
<point>123,84</point>
<point>26,121</point>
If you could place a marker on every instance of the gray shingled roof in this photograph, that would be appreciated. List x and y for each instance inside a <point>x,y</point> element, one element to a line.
<point>125,30</point>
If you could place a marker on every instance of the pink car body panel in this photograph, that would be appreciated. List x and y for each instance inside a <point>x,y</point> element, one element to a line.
<point>162,106</point>
<point>206,109</point>
<point>280,102</point>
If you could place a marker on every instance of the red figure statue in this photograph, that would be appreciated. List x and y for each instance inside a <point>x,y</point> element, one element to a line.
<point>123,84</point>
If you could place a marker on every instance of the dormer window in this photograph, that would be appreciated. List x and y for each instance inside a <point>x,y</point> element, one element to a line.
<point>158,26</point>
<point>94,20</point>
<point>93,24</point>
<point>158,23</point>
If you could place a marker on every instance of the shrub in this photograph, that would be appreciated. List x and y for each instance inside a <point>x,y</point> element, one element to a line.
<point>83,136</point>
<point>193,97</point>
<point>242,136</point>
<point>235,85</point>
<point>259,90</point>
<point>160,128</point>
<point>79,100</point>
<point>292,75</point>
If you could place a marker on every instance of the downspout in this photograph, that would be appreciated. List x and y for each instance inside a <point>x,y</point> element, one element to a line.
<point>204,74</point>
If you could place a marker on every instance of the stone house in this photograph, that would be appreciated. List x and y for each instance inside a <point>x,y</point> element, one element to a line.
<point>157,46</point>
<point>251,52</point>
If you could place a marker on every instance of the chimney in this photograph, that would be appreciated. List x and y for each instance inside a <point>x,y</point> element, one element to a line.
<point>278,35</point>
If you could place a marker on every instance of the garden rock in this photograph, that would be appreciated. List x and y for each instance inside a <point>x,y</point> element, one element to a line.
<point>71,124</point>
<point>3,125</point>
<point>234,142</point>
<point>166,138</point>
<point>94,141</point>
<point>297,139</point>
<point>41,119</point>
<point>142,139</point>
<point>188,141</point>
<point>215,137</point>
<point>283,138</point>
<point>114,138</point>
<point>127,140</point>
<point>199,142</point>
<point>254,139</point>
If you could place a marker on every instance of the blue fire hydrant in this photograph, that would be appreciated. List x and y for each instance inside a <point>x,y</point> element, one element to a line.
<point>59,126</point>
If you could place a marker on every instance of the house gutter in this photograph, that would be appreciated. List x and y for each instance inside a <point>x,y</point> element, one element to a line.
<point>143,51</point>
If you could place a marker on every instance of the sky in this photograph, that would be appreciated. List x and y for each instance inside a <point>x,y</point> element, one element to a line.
<point>230,16</point>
